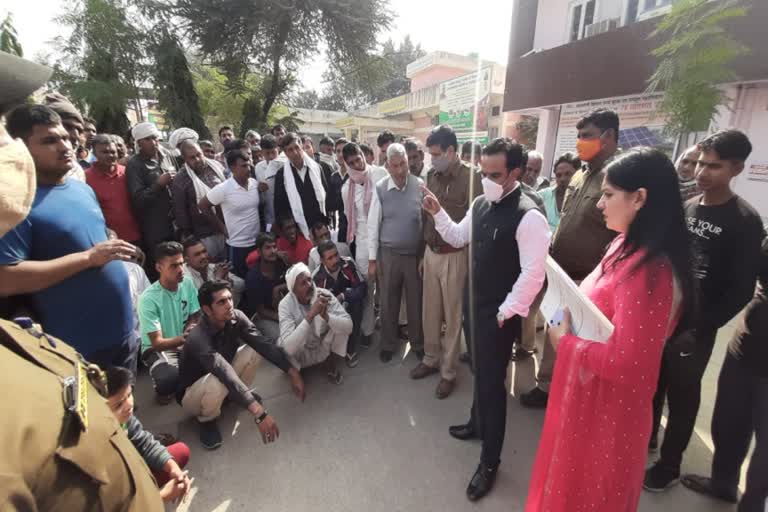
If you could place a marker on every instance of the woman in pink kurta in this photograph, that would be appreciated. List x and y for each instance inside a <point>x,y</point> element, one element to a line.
<point>594,443</point>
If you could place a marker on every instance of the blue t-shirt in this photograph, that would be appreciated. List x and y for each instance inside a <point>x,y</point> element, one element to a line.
<point>92,309</point>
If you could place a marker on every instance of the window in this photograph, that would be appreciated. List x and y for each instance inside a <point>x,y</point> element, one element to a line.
<point>494,133</point>
<point>495,111</point>
<point>582,15</point>
<point>632,11</point>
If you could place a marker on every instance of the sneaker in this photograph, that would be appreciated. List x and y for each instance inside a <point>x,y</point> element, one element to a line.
<point>653,445</point>
<point>335,376</point>
<point>659,478</point>
<point>704,485</point>
<point>352,360</point>
<point>166,439</point>
<point>535,398</point>
<point>520,354</point>
<point>210,437</point>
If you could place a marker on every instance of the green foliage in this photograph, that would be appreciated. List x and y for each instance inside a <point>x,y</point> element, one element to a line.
<point>274,39</point>
<point>175,86</point>
<point>219,103</point>
<point>103,62</point>
<point>379,77</point>
<point>9,38</point>
<point>693,60</point>
<point>527,130</point>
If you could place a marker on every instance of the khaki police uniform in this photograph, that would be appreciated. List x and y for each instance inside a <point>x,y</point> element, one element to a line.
<point>61,448</point>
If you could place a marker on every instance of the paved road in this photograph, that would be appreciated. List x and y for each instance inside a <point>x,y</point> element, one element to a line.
<point>378,442</point>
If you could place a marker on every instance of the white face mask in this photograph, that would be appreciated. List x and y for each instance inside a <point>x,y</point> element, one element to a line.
<point>492,190</point>
<point>18,183</point>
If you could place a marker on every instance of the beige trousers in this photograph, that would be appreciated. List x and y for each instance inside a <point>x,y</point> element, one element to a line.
<point>528,333</point>
<point>444,278</point>
<point>203,398</point>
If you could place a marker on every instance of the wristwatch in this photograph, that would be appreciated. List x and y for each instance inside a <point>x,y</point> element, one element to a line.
<point>261,417</point>
<point>500,317</point>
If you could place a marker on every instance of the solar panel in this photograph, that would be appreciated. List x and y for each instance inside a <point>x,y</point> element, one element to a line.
<point>640,136</point>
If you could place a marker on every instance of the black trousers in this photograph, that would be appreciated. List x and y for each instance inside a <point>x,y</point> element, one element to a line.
<point>163,369</point>
<point>741,409</point>
<point>682,366</point>
<point>491,351</point>
<point>355,310</point>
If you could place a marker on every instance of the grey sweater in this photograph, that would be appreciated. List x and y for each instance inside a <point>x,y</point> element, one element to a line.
<point>150,449</point>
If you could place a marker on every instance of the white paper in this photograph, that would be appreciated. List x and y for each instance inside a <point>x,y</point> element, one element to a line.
<point>587,321</point>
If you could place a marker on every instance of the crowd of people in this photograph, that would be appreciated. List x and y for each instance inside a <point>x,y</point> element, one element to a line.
<point>196,264</point>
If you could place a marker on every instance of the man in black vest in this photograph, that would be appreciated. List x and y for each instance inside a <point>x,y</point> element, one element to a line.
<point>510,240</point>
<point>299,186</point>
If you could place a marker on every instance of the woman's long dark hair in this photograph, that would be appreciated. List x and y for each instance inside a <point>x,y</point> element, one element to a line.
<point>659,226</point>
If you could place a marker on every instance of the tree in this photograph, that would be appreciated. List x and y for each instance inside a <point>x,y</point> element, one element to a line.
<point>307,98</point>
<point>380,77</point>
<point>103,63</point>
<point>527,130</point>
<point>9,39</point>
<point>220,104</point>
<point>693,59</point>
<point>175,87</point>
<point>274,39</point>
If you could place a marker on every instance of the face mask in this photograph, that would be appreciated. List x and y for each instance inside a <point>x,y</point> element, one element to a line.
<point>441,163</point>
<point>588,148</point>
<point>18,183</point>
<point>492,190</point>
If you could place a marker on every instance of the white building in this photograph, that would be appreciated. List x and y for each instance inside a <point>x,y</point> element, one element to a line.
<point>578,55</point>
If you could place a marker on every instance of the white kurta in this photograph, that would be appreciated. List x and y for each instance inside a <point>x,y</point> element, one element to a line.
<point>310,344</point>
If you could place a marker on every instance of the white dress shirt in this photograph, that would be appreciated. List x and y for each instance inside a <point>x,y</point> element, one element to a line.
<point>361,233</point>
<point>374,217</point>
<point>532,237</point>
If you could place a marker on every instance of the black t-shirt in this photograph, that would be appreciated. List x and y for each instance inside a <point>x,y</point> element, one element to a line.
<point>258,287</point>
<point>726,242</point>
<point>750,343</point>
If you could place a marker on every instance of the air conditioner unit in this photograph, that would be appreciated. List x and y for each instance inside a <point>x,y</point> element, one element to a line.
<point>602,26</point>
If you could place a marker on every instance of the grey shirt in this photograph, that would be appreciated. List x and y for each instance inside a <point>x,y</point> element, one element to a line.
<point>210,350</point>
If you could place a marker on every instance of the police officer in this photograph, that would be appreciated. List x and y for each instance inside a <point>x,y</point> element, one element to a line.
<point>63,449</point>
<point>509,241</point>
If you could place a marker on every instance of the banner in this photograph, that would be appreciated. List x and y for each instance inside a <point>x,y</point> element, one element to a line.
<point>639,123</point>
<point>460,97</point>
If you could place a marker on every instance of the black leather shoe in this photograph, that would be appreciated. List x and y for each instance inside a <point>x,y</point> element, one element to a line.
<point>482,481</point>
<point>463,432</point>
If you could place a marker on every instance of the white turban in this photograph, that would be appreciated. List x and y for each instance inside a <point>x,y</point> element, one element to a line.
<point>293,273</point>
<point>179,135</point>
<point>144,130</point>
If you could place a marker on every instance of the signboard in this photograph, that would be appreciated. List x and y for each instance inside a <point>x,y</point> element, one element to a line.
<point>639,123</point>
<point>464,103</point>
<point>393,105</point>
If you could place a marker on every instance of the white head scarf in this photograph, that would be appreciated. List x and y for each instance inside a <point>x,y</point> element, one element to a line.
<point>144,130</point>
<point>179,135</point>
<point>294,272</point>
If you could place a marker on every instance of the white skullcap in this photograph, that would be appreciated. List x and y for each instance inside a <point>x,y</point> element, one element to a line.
<point>179,135</point>
<point>144,130</point>
<point>293,273</point>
